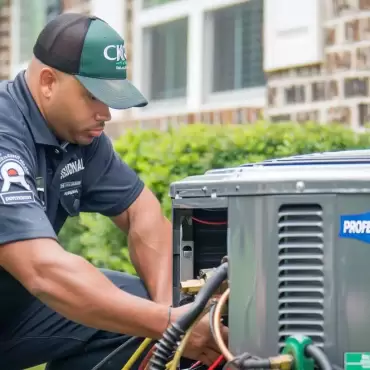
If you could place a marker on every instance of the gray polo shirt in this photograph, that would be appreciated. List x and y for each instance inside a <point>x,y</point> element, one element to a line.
<point>43,180</point>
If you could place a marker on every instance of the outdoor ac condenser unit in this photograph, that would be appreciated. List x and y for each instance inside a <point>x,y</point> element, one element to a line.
<point>297,234</point>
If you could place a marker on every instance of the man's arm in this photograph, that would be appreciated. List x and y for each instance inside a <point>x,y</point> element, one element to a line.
<point>150,244</point>
<point>76,289</point>
<point>113,189</point>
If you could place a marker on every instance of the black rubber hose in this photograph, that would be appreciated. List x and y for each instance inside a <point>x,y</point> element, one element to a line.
<point>255,364</point>
<point>165,347</point>
<point>204,295</point>
<point>172,335</point>
<point>318,356</point>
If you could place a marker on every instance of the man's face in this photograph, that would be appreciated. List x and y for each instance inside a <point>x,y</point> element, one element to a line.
<point>72,112</point>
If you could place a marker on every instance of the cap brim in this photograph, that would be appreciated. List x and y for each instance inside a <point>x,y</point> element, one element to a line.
<point>116,94</point>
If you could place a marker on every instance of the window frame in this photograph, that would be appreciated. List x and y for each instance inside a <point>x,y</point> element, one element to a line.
<point>16,64</point>
<point>147,46</point>
<point>199,59</point>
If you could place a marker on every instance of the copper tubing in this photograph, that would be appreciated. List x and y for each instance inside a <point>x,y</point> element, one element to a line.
<point>217,327</point>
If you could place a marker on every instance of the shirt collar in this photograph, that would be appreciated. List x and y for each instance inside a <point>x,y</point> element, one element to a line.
<point>40,131</point>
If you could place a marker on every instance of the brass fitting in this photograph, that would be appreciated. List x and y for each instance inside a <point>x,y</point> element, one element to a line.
<point>282,362</point>
<point>193,286</point>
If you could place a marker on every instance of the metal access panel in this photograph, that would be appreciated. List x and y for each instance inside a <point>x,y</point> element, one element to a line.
<point>298,242</point>
<point>282,276</point>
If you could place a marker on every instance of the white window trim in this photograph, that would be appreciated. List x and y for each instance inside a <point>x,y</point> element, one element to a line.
<point>198,83</point>
<point>15,65</point>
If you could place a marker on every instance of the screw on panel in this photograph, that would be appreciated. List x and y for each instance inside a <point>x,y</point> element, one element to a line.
<point>204,188</point>
<point>237,187</point>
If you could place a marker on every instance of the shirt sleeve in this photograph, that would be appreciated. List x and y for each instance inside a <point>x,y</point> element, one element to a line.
<point>110,186</point>
<point>22,214</point>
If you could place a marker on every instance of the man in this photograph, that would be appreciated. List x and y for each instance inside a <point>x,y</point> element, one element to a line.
<point>55,161</point>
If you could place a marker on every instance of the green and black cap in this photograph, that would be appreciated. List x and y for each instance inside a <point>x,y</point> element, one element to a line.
<point>91,50</point>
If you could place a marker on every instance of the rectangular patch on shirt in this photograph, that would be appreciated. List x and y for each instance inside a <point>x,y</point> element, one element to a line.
<point>17,197</point>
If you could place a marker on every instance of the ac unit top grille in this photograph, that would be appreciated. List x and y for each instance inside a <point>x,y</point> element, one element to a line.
<point>300,272</point>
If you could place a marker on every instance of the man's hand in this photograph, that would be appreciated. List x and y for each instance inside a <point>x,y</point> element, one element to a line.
<point>201,345</point>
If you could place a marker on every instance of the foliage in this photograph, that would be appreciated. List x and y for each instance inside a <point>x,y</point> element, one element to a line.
<point>163,157</point>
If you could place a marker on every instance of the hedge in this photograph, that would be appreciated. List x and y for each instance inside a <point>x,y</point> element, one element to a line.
<point>163,157</point>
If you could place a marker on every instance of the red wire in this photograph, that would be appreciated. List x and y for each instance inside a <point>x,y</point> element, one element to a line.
<point>209,222</point>
<point>217,363</point>
<point>195,365</point>
<point>147,358</point>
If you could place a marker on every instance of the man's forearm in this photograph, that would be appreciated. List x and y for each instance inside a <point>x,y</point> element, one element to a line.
<point>150,240</point>
<point>80,292</point>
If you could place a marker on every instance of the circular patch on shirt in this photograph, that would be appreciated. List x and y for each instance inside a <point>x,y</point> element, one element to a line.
<point>14,186</point>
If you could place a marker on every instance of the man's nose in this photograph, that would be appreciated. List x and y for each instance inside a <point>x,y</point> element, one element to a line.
<point>104,114</point>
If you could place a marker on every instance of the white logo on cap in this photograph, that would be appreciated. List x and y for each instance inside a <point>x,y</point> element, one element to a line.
<point>12,173</point>
<point>117,54</point>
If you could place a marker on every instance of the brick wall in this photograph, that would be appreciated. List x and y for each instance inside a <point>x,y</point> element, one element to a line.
<point>5,42</point>
<point>242,115</point>
<point>338,89</point>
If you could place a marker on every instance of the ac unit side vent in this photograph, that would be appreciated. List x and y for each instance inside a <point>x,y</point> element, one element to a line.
<point>301,272</point>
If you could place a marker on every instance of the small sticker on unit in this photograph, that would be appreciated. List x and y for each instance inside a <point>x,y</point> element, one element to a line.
<point>355,227</point>
<point>356,360</point>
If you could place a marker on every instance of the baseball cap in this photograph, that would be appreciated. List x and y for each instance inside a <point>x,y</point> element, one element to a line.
<point>91,50</point>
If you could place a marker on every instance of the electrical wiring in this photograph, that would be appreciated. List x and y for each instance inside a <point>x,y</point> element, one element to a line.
<point>145,363</point>
<point>196,364</point>
<point>112,354</point>
<point>147,358</point>
<point>216,325</point>
<point>217,363</point>
<point>170,338</point>
<point>215,223</point>
<point>184,341</point>
<point>135,356</point>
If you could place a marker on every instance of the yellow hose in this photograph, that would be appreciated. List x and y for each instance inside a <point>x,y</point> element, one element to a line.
<point>181,347</point>
<point>137,353</point>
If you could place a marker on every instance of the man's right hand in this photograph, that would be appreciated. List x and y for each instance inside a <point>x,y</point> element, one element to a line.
<point>201,345</point>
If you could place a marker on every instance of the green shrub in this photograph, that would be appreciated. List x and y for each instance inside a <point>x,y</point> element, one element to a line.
<point>163,157</point>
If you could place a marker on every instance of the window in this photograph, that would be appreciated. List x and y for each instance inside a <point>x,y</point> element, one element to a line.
<point>167,56</point>
<point>28,19</point>
<point>190,55</point>
<point>150,3</point>
<point>31,20</point>
<point>237,47</point>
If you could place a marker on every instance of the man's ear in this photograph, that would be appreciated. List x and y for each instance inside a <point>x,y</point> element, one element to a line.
<point>48,79</point>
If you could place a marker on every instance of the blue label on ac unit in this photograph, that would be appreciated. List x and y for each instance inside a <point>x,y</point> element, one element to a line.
<point>355,227</point>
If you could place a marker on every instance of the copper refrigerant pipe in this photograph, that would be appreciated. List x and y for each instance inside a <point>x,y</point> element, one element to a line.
<point>217,328</point>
